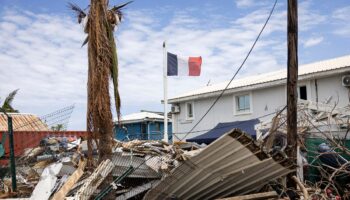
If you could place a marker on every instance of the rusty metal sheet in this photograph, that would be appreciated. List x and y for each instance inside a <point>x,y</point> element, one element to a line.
<point>232,165</point>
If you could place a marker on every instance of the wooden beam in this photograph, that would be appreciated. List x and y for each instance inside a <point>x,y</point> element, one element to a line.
<point>61,194</point>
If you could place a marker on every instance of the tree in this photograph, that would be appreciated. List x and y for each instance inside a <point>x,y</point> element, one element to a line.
<point>58,127</point>
<point>7,105</point>
<point>103,64</point>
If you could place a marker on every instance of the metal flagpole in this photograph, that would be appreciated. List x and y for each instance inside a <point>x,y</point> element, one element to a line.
<point>165,84</point>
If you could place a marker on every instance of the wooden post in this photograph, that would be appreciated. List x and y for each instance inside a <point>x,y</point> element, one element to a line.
<point>292,80</point>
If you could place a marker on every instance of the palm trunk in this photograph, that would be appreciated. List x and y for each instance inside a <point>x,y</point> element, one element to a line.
<point>99,116</point>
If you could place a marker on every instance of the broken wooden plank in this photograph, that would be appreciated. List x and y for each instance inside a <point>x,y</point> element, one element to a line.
<point>47,182</point>
<point>96,178</point>
<point>70,182</point>
<point>256,196</point>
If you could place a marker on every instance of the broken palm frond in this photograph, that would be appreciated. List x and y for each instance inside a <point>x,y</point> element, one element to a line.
<point>79,12</point>
<point>114,72</point>
<point>7,105</point>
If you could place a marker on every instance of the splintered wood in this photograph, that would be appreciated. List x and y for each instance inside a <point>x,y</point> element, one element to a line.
<point>70,182</point>
<point>96,178</point>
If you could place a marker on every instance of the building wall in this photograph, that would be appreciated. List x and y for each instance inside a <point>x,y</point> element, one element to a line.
<point>263,102</point>
<point>134,131</point>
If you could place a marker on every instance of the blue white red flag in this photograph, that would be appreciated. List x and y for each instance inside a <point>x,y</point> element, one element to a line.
<point>179,66</point>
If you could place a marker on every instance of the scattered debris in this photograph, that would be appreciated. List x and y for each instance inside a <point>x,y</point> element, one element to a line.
<point>234,166</point>
<point>94,180</point>
<point>56,168</point>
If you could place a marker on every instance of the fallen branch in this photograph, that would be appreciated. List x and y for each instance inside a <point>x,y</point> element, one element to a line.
<point>302,187</point>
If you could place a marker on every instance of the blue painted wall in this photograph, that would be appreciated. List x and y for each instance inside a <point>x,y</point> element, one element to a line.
<point>136,131</point>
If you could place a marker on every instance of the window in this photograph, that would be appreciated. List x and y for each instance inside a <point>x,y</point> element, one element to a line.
<point>189,110</point>
<point>157,126</point>
<point>143,128</point>
<point>243,103</point>
<point>302,93</point>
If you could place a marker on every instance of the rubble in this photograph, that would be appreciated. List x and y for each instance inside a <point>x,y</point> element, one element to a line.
<point>57,169</point>
<point>234,166</point>
<point>323,159</point>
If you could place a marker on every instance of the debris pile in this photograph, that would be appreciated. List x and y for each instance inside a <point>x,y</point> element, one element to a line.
<point>232,165</point>
<point>324,147</point>
<point>58,168</point>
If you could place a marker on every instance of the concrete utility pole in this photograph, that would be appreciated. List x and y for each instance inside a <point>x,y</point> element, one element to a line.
<point>292,79</point>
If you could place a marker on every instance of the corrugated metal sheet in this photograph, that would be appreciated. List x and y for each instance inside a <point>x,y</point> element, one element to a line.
<point>232,165</point>
<point>136,190</point>
<point>122,164</point>
<point>23,122</point>
<point>322,66</point>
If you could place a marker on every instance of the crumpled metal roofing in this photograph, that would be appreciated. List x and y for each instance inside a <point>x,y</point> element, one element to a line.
<point>122,163</point>
<point>232,165</point>
<point>322,66</point>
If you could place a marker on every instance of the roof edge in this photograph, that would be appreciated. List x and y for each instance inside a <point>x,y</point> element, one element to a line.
<point>260,85</point>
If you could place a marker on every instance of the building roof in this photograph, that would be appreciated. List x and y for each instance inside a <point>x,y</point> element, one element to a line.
<point>321,68</point>
<point>141,116</point>
<point>23,122</point>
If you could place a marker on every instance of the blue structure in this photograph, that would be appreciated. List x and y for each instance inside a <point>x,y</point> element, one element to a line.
<point>222,128</point>
<point>142,126</point>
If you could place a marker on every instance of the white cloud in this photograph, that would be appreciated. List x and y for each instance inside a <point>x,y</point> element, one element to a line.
<point>342,16</point>
<point>308,16</point>
<point>250,3</point>
<point>244,3</point>
<point>313,41</point>
<point>41,55</point>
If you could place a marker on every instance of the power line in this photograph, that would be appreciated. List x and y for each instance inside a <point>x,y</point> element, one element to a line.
<point>245,59</point>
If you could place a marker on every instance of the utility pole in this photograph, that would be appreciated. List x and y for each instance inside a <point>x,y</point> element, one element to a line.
<point>292,79</point>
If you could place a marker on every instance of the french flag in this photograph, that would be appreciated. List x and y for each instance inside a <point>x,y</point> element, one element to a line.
<point>179,66</point>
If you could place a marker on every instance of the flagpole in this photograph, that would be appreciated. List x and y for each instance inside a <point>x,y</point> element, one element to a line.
<point>165,84</point>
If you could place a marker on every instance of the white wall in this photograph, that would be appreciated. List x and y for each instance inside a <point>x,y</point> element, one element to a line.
<point>263,102</point>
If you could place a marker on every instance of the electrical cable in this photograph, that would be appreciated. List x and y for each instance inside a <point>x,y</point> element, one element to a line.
<point>245,59</point>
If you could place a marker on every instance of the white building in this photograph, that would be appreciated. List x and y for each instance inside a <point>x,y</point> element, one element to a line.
<point>256,96</point>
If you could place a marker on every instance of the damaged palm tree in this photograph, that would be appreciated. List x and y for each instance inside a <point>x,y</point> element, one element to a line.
<point>103,64</point>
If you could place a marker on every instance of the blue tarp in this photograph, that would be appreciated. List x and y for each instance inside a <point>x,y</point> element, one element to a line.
<point>222,128</point>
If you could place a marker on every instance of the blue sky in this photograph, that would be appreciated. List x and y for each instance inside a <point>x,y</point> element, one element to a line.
<point>40,47</point>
